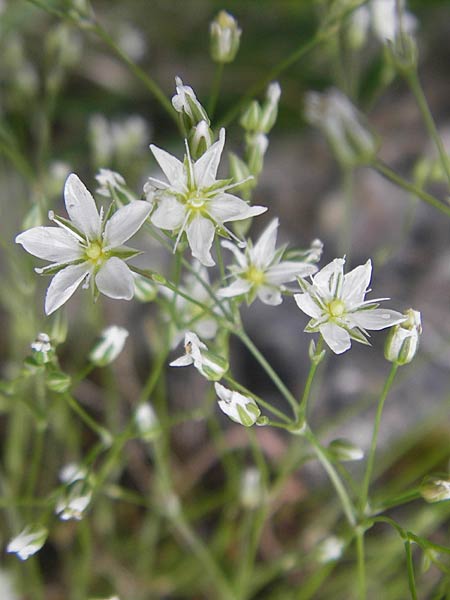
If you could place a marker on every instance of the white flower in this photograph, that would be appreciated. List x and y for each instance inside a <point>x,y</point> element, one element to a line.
<point>260,270</point>
<point>336,304</point>
<point>74,501</point>
<point>210,365</point>
<point>28,542</point>
<point>330,549</point>
<point>241,409</point>
<point>194,201</point>
<point>110,345</point>
<point>389,18</point>
<point>403,340</point>
<point>72,472</point>
<point>147,422</point>
<point>111,181</point>
<point>87,248</point>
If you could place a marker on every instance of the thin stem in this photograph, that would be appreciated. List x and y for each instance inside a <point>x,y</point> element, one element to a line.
<point>347,504</point>
<point>410,187</point>
<point>360,553</point>
<point>303,405</point>
<point>103,433</point>
<point>410,568</point>
<point>268,369</point>
<point>373,445</point>
<point>215,89</point>
<point>416,88</point>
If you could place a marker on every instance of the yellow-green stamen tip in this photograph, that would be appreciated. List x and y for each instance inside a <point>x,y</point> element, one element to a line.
<point>94,251</point>
<point>255,275</point>
<point>336,308</point>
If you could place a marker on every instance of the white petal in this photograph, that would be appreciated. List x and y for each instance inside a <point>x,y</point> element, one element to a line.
<point>63,285</point>
<point>183,361</point>
<point>173,168</point>
<point>288,271</point>
<point>263,252</point>
<point>307,305</point>
<point>270,295</point>
<point>336,337</point>
<point>238,287</point>
<point>125,222</point>
<point>50,243</point>
<point>205,169</point>
<point>81,207</point>
<point>115,280</point>
<point>356,283</point>
<point>326,279</point>
<point>239,256</point>
<point>200,234</point>
<point>169,213</point>
<point>226,207</point>
<point>376,319</point>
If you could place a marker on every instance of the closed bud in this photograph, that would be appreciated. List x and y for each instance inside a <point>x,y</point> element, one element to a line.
<point>435,488</point>
<point>200,139</point>
<point>109,346</point>
<point>257,144</point>
<point>251,490</point>
<point>225,37</point>
<point>241,409</point>
<point>330,549</point>
<point>402,52</point>
<point>343,450</point>
<point>28,542</point>
<point>74,501</point>
<point>270,108</point>
<point>251,118</point>
<point>314,356</point>
<point>43,351</point>
<point>147,422</point>
<point>403,339</point>
<point>189,108</point>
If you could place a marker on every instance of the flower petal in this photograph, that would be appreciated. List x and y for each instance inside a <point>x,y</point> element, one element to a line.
<point>81,207</point>
<point>115,280</point>
<point>125,222</point>
<point>288,271</point>
<point>200,234</point>
<point>356,283</point>
<point>172,168</point>
<point>50,243</point>
<point>63,285</point>
<point>238,255</point>
<point>307,305</point>
<point>262,254</point>
<point>330,278</point>
<point>226,207</point>
<point>376,319</point>
<point>336,337</point>
<point>205,168</point>
<point>169,213</point>
<point>182,361</point>
<point>238,287</point>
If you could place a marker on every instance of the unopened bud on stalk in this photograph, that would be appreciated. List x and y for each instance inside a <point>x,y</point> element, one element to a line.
<point>28,542</point>
<point>403,339</point>
<point>330,549</point>
<point>343,450</point>
<point>257,144</point>
<point>109,346</point>
<point>251,490</point>
<point>200,139</point>
<point>42,348</point>
<point>147,422</point>
<point>189,108</point>
<point>435,488</point>
<point>225,37</point>
<point>251,117</point>
<point>270,107</point>
<point>241,409</point>
<point>402,51</point>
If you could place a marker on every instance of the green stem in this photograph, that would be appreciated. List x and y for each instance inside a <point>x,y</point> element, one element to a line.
<point>410,568</point>
<point>347,504</point>
<point>268,369</point>
<point>360,553</point>
<point>103,433</point>
<point>303,405</point>
<point>215,89</point>
<point>416,88</point>
<point>373,445</point>
<point>258,400</point>
<point>410,187</point>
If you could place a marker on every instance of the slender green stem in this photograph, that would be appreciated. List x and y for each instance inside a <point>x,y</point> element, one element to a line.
<point>347,504</point>
<point>303,405</point>
<point>413,81</point>
<point>215,89</point>
<point>258,399</point>
<point>268,369</point>
<point>410,187</point>
<point>103,433</point>
<point>360,554</point>
<point>410,568</point>
<point>373,445</point>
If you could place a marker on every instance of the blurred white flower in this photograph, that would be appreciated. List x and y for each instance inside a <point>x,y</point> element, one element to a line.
<point>193,201</point>
<point>110,182</point>
<point>109,346</point>
<point>260,270</point>
<point>241,409</point>
<point>336,304</point>
<point>72,472</point>
<point>208,364</point>
<point>7,587</point>
<point>87,248</point>
<point>147,422</point>
<point>132,41</point>
<point>74,501</point>
<point>330,549</point>
<point>28,541</point>
<point>389,18</point>
<point>225,36</point>
<point>42,348</point>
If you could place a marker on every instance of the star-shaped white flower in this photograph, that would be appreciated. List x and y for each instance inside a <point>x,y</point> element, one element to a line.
<point>336,304</point>
<point>260,270</point>
<point>194,201</point>
<point>88,248</point>
<point>207,363</point>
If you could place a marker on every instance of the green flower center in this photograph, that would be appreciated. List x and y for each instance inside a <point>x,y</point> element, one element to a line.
<point>255,276</point>
<point>196,200</point>
<point>94,252</point>
<point>336,308</point>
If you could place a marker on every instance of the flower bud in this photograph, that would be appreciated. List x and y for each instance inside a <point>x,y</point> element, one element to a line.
<point>357,28</point>
<point>330,549</point>
<point>186,104</point>
<point>402,51</point>
<point>109,346</point>
<point>224,38</point>
<point>403,339</point>
<point>74,501</point>
<point>270,108</point>
<point>435,488</point>
<point>42,348</point>
<point>241,409</point>
<point>257,144</point>
<point>28,542</point>
<point>251,117</point>
<point>200,139</point>
<point>147,422</point>
<point>251,490</point>
<point>343,450</point>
